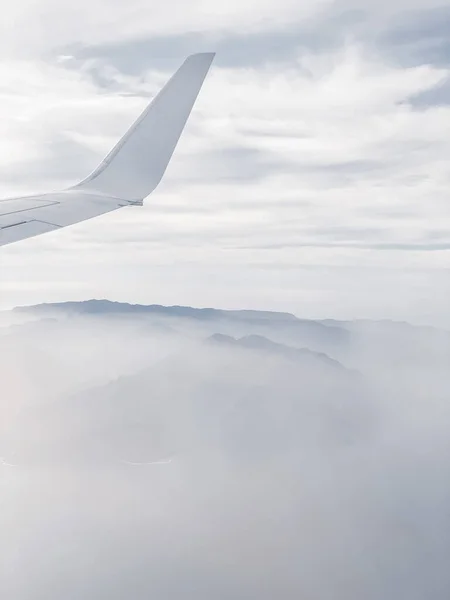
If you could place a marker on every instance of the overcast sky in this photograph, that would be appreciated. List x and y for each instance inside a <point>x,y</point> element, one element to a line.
<point>313,176</point>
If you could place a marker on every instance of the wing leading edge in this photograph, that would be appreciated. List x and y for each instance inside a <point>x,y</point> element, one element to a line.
<point>128,174</point>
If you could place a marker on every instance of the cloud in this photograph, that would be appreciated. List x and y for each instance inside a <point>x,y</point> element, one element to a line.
<point>418,35</point>
<point>438,95</point>
<point>102,21</point>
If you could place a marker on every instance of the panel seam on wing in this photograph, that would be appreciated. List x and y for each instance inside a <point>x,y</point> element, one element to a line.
<point>13,225</point>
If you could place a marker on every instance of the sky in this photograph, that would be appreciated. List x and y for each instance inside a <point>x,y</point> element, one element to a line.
<point>312,176</point>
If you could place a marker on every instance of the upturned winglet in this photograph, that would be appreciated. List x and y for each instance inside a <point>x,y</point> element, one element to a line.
<point>137,163</point>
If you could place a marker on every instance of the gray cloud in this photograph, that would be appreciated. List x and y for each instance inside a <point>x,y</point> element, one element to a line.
<point>418,37</point>
<point>409,37</point>
<point>233,50</point>
<point>419,247</point>
<point>234,164</point>
<point>61,160</point>
<point>437,96</point>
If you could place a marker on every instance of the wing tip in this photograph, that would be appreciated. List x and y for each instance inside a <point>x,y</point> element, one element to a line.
<point>201,56</point>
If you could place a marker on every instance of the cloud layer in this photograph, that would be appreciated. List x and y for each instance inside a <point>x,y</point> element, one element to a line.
<point>283,474</point>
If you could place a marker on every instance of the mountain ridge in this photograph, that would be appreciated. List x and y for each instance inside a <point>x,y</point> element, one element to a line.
<point>96,306</point>
<point>264,344</point>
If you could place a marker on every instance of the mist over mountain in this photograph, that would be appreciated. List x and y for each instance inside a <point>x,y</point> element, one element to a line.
<point>246,453</point>
<point>361,344</point>
<point>104,307</point>
<point>282,327</point>
<point>220,384</point>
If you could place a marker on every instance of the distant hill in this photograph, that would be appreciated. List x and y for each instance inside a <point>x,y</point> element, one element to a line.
<point>243,396</point>
<point>101,380</point>
<point>263,344</point>
<point>359,343</point>
<point>108,307</point>
<point>283,328</point>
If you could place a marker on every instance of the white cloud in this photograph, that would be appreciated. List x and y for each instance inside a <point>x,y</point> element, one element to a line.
<point>50,23</point>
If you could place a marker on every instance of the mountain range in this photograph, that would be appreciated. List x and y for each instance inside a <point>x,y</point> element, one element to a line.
<point>105,381</point>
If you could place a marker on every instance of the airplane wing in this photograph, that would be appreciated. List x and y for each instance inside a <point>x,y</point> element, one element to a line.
<point>128,174</point>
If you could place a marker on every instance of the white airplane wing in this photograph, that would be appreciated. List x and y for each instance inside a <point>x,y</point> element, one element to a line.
<point>129,173</point>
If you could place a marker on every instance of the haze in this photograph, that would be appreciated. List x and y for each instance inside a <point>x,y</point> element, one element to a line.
<point>175,453</point>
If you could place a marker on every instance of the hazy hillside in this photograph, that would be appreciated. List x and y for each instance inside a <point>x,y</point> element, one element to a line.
<point>248,395</point>
<point>183,444</point>
<point>282,327</point>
